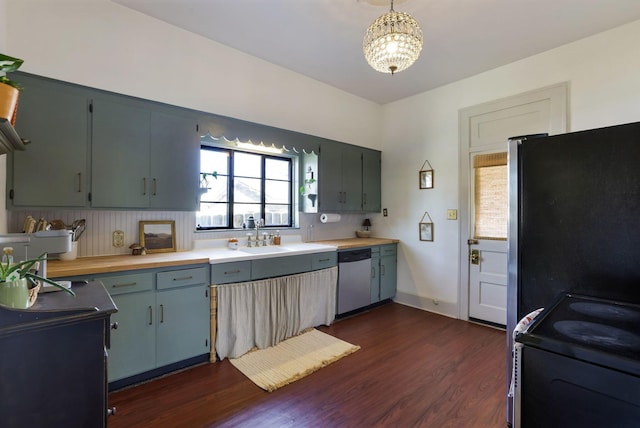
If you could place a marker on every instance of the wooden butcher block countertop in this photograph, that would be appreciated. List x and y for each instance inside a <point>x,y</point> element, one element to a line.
<point>104,264</point>
<point>345,244</point>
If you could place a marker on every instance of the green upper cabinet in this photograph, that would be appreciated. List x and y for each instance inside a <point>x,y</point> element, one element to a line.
<point>175,161</point>
<point>143,156</point>
<point>371,180</point>
<point>329,178</point>
<point>120,154</point>
<point>348,178</point>
<point>351,178</point>
<point>52,171</point>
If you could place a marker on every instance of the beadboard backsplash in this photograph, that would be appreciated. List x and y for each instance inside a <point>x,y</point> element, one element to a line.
<point>97,240</point>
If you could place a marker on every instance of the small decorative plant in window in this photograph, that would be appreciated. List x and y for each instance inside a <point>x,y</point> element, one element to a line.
<point>308,188</point>
<point>204,181</point>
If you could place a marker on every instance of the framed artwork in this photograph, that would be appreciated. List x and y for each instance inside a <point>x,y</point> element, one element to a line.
<point>426,176</point>
<point>426,179</point>
<point>425,228</point>
<point>158,236</point>
<point>426,231</point>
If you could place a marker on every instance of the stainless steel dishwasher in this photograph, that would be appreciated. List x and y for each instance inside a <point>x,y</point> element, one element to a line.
<point>354,279</point>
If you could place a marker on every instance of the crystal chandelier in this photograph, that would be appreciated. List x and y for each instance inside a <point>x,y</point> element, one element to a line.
<point>393,42</point>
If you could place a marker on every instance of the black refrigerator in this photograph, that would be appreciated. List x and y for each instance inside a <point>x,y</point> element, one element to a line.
<point>574,251</point>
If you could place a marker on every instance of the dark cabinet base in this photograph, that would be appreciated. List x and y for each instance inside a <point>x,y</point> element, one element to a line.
<point>53,360</point>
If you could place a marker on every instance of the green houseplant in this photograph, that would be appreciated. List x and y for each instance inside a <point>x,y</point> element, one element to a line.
<point>204,181</point>
<point>17,279</point>
<point>9,89</point>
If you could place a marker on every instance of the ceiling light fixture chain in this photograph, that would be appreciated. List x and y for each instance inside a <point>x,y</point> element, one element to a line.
<point>393,42</point>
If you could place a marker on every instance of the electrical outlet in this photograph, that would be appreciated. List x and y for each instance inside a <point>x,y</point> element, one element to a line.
<point>452,214</point>
<point>384,212</point>
<point>118,238</point>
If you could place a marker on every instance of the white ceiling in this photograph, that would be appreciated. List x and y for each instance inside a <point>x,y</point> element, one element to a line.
<point>322,39</point>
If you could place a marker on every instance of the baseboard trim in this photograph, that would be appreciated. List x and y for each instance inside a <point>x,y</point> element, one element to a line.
<point>449,309</point>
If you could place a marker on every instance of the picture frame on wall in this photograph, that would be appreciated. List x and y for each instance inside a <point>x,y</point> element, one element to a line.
<point>426,179</point>
<point>426,231</point>
<point>425,176</point>
<point>158,236</point>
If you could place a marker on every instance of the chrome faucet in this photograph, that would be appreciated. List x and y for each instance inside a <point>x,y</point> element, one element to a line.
<point>259,224</point>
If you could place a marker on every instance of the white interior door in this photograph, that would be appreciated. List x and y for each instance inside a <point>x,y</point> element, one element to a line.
<point>486,128</point>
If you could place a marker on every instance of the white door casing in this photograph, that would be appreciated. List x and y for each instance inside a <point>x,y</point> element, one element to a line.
<point>486,128</point>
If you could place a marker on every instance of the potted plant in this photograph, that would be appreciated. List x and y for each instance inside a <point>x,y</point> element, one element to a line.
<point>204,181</point>
<point>9,90</point>
<point>19,284</point>
<point>307,186</point>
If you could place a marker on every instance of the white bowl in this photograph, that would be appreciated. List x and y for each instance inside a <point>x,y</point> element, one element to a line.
<point>363,233</point>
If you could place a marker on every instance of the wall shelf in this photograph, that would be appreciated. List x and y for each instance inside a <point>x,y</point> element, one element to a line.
<point>9,139</point>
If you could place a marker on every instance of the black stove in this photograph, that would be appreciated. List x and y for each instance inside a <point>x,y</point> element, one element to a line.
<point>579,365</point>
<point>594,330</point>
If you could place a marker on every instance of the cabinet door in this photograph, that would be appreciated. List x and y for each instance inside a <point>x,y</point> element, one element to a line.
<point>133,343</point>
<point>175,162</point>
<point>388,276</point>
<point>352,178</point>
<point>120,154</point>
<point>330,178</point>
<point>371,180</point>
<point>183,324</point>
<point>52,172</point>
<point>375,278</point>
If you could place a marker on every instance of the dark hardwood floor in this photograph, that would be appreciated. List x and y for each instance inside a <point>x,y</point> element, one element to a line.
<point>414,369</point>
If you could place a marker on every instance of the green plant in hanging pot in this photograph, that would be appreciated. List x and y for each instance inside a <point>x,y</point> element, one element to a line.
<point>19,284</point>
<point>204,181</point>
<point>9,89</point>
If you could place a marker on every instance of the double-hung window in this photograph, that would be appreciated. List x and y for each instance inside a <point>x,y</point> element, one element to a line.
<point>245,185</point>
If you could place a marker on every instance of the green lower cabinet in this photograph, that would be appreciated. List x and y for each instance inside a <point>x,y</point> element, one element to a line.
<point>384,272</point>
<point>133,343</point>
<point>388,277</point>
<point>182,324</point>
<point>375,275</point>
<point>163,318</point>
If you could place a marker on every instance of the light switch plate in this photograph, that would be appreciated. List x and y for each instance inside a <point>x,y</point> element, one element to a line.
<point>452,214</point>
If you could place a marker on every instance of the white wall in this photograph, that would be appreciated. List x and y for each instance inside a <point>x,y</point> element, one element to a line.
<point>105,45</point>
<point>603,74</point>
<point>102,44</point>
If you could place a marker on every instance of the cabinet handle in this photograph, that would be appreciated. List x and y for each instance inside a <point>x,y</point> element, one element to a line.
<point>364,197</point>
<point>161,314</point>
<point>184,278</point>
<point>373,272</point>
<point>339,197</point>
<point>114,325</point>
<point>324,260</point>
<point>382,270</point>
<point>79,182</point>
<point>231,272</point>
<point>155,186</point>
<point>128,284</point>
<point>144,186</point>
<point>111,411</point>
<point>150,315</point>
<point>345,197</point>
